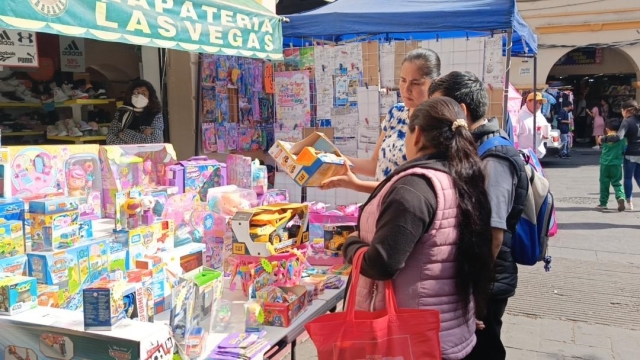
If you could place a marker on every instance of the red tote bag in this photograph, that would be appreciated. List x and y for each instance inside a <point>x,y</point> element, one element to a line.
<point>392,333</point>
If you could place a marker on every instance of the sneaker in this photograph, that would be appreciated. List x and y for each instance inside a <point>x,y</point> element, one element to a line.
<point>5,100</point>
<point>83,126</point>
<point>75,132</point>
<point>104,130</point>
<point>4,87</point>
<point>59,95</point>
<point>567,156</point>
<point>620,204</point>
<point>601,208</point>
<point>74,94</point>
<point>101,94</point>
<point>52,131</point>
<point>62,129</point>
<point>629,205</point>
<point>94,125</point>
<point>596,147</point>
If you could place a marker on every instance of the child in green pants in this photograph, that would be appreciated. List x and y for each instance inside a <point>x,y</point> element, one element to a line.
<point>611,161</point>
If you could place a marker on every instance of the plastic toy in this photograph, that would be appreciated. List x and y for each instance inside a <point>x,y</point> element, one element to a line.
<point>269,229</point>
<point>11,238</point>
<point>17,294</point>
<point>83,179</point>
<point>13,209</point>
<point>133,209</point>
<point>128,166</point>
<point>188,214</point>
<point>147,204</point>
<point>259,182</point>
<point>253,316</point>
<point>182,310</point>
<point>72,269</point>
<point>274,196</point>
<point>196,341</point>
<point>223,316</point>
<point>197,174</point>
<point>57,343</point>
<point>228,200</point>
<point>239,171</point>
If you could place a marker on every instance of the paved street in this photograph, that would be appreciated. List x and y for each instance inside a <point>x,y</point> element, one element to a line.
<point>588,306</point>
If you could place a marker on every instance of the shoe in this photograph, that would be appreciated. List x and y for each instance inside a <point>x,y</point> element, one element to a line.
<point>620,204</point>
<point>5,100</point>
<point>52,131</point>
<point>83,126</point>
<point>596,147</point>
<point>74,94</point>
<point>94,125</point>
<point>629,205</point>
<point>567,156</point>
<point>62,129</point>
<point>601,208</point>
<point>75,132</point>
<point>101,94</point>
<point>4,87</point>
<point>59,95</point>
<point>104,130</point>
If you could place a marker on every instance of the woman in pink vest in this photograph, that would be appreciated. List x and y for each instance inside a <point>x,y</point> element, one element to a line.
<point>427,227</point>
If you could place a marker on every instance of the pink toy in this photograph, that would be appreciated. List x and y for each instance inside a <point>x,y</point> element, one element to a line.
<point>349,210</point>
<point>239,171</point>
<point>188,214</point>
<point>147,203</point>
<point>227,200</point>
<point>274,196</point>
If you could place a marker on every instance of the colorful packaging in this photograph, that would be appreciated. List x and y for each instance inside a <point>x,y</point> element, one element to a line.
<point>11,238</point>
<point>51,206</point>
<point>17,294</point>
<point>104,305</point>
<point>198,174</point>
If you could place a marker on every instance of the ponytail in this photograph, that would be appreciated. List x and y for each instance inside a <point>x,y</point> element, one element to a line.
<point>632,106</point>
<point>443,129</point>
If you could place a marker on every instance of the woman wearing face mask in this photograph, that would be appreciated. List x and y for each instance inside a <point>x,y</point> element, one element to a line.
<point>139,120</point>
<point>419,68</point>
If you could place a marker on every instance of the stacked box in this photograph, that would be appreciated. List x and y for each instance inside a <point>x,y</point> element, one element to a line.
<point>17,294</point>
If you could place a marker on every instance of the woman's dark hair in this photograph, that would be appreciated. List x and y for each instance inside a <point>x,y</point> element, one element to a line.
<point>631,105</point>
<point>153,108</point>
<point>427,60</point>
<point>601,109</point>
<point>474,258</point>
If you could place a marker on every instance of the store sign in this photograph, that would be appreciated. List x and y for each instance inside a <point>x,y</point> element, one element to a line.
<point>18,48</point>
<point>72,54</point>
<point>525,71</point>
<point>211,26</point>
<point>581,56</point>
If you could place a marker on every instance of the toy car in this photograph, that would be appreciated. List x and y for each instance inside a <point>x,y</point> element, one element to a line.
<point>195,342</point>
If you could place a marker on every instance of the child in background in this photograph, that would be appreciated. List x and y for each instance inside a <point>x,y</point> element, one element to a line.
<point>564,125</point>
<point>611,161</point>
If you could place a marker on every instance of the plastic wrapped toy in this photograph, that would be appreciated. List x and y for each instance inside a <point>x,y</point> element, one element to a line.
<point>259,177</point>
<point>274,196</point>
<point>227,200</point>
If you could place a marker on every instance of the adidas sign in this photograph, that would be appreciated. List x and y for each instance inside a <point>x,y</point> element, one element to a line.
<point>5,39</point>
<point>72,49</point>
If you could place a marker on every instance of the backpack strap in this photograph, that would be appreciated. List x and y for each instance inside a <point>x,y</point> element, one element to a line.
<point>493,142</point>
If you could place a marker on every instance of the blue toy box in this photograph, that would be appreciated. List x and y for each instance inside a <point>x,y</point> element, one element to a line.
<point>50,206</point>
<point>12,209</point>
<point>17,294</point>
<point>16,265</point>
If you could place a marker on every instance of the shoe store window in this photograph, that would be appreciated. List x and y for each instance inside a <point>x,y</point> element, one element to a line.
<point>68,93</point>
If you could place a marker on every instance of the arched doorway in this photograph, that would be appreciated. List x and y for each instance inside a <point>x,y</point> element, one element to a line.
<point>588,75</point>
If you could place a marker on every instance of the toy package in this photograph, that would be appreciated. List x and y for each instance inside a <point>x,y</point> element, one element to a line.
<point>71,269</point>
<point>54,232</point>
<point>104,305</point>
<point>228,200</point>
<point>17,294</point>
<point>259,182</point>
<point>16,265</point>
<point>128,166</point>
<point>327,250</point>
<point>55,205</point>
<point>273,196</point>
<point>311,161</point>
<point>270,229</point>
<point>239,171</point>
<point>13,209</point>
<point>287,305</point>
<point>188,214</point>
<point>198,174</point>
<point>11,238</point>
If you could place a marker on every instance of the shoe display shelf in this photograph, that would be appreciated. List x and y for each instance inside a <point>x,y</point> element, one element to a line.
<point>75,105</point>
<point>79,139</point>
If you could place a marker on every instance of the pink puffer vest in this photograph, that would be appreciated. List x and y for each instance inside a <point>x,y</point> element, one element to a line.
<point>428,279</point>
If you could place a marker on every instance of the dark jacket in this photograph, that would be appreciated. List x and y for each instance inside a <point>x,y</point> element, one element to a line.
<point>506,270</point>
<point>629,129</point>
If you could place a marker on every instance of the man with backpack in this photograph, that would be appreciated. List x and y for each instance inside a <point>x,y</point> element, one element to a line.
<point>507,185</point>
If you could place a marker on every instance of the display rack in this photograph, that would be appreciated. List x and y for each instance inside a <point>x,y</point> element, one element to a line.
<point>75,105</point>
<point>78,139</point>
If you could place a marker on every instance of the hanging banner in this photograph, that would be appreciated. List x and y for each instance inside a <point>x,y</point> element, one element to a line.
<point>238,27</point>
<point>18,48</point>
<point>72,54</point>
<point>581,56</point>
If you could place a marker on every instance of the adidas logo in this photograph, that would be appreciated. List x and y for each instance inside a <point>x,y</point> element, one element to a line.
<point>5,39</point>
<point>72,49</point>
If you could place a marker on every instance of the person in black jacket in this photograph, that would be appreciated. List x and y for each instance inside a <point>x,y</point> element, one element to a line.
<point>630,130</point>
<point>507,186</point>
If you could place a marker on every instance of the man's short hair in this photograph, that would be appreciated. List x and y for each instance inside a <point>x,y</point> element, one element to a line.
<point>613,124</point>
<point>465,88</point>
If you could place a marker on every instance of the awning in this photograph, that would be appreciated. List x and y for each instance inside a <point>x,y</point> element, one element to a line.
<point>227,27</point>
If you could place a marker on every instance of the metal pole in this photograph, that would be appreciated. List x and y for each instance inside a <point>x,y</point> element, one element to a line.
<point>535,102</point>
<point>505,100</point>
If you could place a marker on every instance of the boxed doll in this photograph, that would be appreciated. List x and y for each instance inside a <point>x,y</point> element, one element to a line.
<point>198,174</point>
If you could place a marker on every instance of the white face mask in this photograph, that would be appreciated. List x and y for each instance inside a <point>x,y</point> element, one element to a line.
<point>139,101</point>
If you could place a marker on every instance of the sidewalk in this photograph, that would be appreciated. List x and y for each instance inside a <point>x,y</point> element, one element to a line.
<point>588,306</point>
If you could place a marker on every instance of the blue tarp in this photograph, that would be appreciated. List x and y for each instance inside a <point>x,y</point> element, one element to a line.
<point>347,20</point>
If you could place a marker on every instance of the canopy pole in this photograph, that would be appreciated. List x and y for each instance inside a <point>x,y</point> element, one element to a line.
<point>505,100</point>
<point>535,101</point>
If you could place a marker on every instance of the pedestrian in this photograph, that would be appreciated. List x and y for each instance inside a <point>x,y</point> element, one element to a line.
<point>611,160</point>
<point>528,137</point>
<point>599,114</point>
<point>564,125</point>
<point>426,227</point>
<point>629,130</point>
<point>419,68</point>
<point>507,185</point>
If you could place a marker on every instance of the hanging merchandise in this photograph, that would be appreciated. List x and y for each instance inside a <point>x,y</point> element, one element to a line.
<point>292,104</point>
<point>241,27</point>
<point>209,140</point>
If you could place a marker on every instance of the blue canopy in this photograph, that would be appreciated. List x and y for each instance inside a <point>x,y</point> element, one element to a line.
<point>386,20</point>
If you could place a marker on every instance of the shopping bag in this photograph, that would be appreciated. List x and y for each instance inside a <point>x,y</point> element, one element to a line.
<point>392,333</point>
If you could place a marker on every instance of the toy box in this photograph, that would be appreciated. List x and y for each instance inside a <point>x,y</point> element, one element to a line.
<point>144,302</point>
<point>327,251</point>
<point>11,238</point>
<point>283,314</point>
<point>17,294</point>
<point>49,295</point>
<point>270,229</point>
<point>16,265</point>
<point>104,305</point>
<point>159,281</point>
<point>311,161</point>
<point>239,171</point>
<point>256,273</point>
<point>72,170</point>
<point>56,205</point>
<point>259,181</point>
<point>197,174</point>
<point>72,269</point>
<point>13,209</point>
<point>161,195</point>
<point>63,337</point>
<point>128,166</point>
<point>188,213</point>
<point>145,240</point>
<point>57,239</point>
<point>5,173</point>
<point>228,200</point>
<point>56,221</point>
<point>273,196</point>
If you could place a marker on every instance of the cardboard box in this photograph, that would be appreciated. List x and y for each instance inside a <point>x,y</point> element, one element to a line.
<point>104,306</point>
<point>11,238</point>
<point>309,162</point>
<point>266,230</point>
<point>52,206</point>
<point>281,314</point>
<point>62,336</point>
<point>49,295</point>
<point>16,265</point>
<point>13,209</point>
<point>56,221</point>
<point>17,294</point>
<point>144,302</point>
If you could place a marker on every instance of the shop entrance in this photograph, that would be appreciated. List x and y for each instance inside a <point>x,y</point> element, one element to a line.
<point>601,78</point>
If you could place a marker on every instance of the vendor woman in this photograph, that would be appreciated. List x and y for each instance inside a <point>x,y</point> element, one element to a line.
<point>419,68</point>
<point>139,120</point>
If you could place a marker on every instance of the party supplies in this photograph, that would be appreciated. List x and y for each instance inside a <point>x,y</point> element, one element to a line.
<point>311,161</point>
